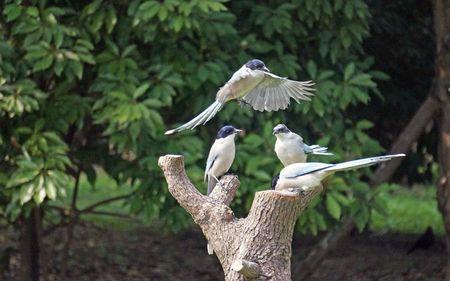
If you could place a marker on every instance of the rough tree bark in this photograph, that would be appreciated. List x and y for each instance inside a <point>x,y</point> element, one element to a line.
<point>441,16</point>
<point>257,247</point>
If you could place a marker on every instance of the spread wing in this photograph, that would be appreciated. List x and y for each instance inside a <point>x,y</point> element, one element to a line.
<point>274,93</point>
<point>300,169</point>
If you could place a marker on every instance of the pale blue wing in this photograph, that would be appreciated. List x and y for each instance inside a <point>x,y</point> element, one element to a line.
<point>274,93</point>
<point>210,161</point>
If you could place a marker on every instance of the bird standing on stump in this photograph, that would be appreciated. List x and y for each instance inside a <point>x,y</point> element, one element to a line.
<point>301,176</point>
<point>290,147</point>
<point>220,159</point>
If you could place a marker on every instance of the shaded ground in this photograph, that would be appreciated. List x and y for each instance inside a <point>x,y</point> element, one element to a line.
<point>99,254</point>
<point>382,257</point>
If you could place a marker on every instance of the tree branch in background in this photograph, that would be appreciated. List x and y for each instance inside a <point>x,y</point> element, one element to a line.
<point>111,214</point>
<point>384,172</point>
<point>257,247</point>
<point>67,215</point>
<point>407,137</point>
<point>106,201</point>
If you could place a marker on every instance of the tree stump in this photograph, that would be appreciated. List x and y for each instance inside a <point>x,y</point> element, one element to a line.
<point>257,247</point>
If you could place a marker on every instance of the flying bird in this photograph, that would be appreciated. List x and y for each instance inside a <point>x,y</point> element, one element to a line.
<point>301,176</point>
<point>255,85</point>
<point>290,147</point>
<point>220,159</point>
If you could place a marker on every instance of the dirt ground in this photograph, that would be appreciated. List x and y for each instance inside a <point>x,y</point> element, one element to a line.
<point>108,255</point>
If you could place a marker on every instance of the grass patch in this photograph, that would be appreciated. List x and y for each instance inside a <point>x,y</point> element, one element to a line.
<point>410,210</point>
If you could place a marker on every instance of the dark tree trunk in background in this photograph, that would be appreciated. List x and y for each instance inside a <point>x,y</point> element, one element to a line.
<point>29,247</point>
<point>441,15</point>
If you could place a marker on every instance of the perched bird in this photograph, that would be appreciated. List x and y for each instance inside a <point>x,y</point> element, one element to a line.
<point>256,86</point>
<point>220,158</point>
<point>301,176</point>
<point>290,148</point>
<point>425,241</point>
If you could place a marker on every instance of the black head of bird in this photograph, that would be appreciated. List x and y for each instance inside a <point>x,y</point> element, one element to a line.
<point>280,129</point>
<point>226,131</point>
<point>256,64</point>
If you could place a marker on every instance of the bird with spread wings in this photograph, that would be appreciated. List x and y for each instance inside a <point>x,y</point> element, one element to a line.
<point>256,86</point>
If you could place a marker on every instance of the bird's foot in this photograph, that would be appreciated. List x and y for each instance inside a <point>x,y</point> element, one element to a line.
<point>220,184</point>
<point>291,191</point>
<point>296,190</point>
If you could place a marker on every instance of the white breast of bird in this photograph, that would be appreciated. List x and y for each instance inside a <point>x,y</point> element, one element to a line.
<point>288,149</point>
<point>224,161</point>
<point>242,82</point>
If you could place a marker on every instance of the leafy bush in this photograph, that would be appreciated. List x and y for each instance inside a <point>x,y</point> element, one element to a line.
<point>88,84</point>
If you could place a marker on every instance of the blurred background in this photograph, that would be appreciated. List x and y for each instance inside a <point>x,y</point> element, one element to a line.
<point>88,88</point>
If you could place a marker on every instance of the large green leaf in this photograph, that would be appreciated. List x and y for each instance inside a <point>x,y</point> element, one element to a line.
<point>333,207</point>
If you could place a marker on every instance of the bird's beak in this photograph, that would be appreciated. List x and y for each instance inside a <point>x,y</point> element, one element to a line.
<point>237,131</point>
<point>274,132</point>
<point>266,69</point>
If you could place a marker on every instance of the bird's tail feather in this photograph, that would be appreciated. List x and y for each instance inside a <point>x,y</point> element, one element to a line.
<point>319,150</point>
<point>202,118</point>
<point>322,153</point>
<point>211,184</point>
<point>210,249</point>
<point>365,162</point>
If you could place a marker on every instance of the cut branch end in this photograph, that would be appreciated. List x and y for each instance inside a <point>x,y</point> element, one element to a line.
<point>247,268</point>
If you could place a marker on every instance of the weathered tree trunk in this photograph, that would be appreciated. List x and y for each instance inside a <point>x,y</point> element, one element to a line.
<point>29,247</point>
<point>257,247</point>
<point>441,15</point>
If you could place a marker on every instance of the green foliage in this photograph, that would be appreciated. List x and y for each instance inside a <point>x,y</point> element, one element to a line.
<point>96,83</point>
<point>407,210</point>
